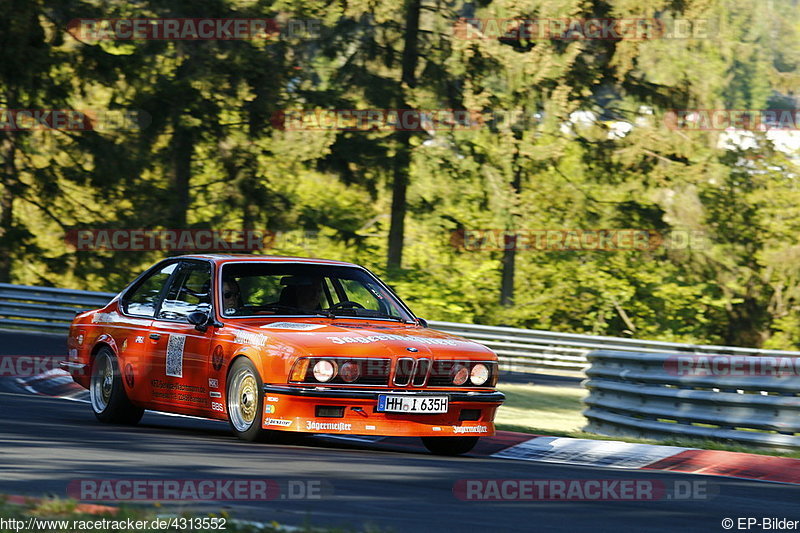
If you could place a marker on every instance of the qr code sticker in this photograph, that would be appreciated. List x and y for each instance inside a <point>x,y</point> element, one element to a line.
<point>175,355</point>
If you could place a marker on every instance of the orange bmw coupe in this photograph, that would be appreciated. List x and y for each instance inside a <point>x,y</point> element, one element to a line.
<point>282,344</point>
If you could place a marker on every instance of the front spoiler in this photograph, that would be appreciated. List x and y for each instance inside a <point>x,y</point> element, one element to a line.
<point>347,394</point>
<point>296,409</point>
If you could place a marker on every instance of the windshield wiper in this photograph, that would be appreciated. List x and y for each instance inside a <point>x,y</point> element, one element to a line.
<point>370,314</point>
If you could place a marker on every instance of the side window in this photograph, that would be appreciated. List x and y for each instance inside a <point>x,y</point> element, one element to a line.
<point>189,292</point>
<point>145,299</point>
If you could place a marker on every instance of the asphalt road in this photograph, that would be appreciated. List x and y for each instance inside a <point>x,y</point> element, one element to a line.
<point>45,443</point>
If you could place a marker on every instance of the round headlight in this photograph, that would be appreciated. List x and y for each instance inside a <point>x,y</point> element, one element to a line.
<point>460,373</point>
<point>324,370</point>
<point>349,372</point>
<point>479,374</point>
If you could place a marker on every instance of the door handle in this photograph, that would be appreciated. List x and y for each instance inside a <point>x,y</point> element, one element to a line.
<point>155,336</point>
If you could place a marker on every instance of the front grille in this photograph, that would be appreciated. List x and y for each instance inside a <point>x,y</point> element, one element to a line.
<point>442,373</point>
<point>403,371</point>
<point>421,375</point>
<point>371,371</point>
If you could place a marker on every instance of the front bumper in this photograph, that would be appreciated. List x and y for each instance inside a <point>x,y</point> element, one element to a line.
<point>469,413</point>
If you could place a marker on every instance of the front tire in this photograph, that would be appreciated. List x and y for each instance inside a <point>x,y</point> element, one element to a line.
<point>109,401</point>
<point>449,445</point>
<point>245,401</point>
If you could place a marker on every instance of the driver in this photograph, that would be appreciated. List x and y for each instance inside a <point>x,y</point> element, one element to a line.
<point>231,296</point>
<point>308,296</point>
<point>301,293</point>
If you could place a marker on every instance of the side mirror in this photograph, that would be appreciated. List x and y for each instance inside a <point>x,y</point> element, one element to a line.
<point>422,322</point>
<point>199,319</point>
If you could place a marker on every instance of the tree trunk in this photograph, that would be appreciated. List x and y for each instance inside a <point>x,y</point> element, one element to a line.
<point>402,160</point>
<point>399,189</point>
<point>510,243</point>
<point>182,150</point>
<point>7,207</point>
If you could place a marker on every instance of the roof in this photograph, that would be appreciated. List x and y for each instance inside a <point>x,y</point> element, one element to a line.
<point>228,258</point>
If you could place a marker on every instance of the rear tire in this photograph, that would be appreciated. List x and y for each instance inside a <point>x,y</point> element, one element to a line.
<point>109,401</point>
<point>245,401</point>
<point>449,445</point>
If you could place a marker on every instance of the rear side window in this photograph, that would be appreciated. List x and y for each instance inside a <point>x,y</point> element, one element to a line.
<point>145,299</point>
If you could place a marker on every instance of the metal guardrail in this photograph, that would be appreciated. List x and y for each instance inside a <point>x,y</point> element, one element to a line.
<point>526,349</point>
<point>631,390</point>
<point>45,308</point>
<point>520,350</point>
<point>652,395</point>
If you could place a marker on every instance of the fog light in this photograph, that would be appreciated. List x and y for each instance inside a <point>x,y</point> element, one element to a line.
<point>324,370</point>
<point>479,374</point>
<point>460,373</point>
<point>326,411</point>
<point>349,372</point>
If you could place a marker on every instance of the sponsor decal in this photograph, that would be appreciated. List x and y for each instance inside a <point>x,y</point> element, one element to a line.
<point>370,427</point>
<point>139,339</point>
<point>345,339</point>
<point>218,359</point>
<point>213,383</point>
<point>179,392</point>
<point>73,354</point>
<point>215,394</point>
<point>272,399</point>
<point>299,326</point>
<point>129,378</point>
<point>79,338</point>
<point>124,345</point>
<point>269,409</point>
<point>436,428</point>
<point>175,355</point>
<point>470,429</point>
<point>247,337</point>
<point>312,425</point>
<point>277,422</point>
<point>217,406</point>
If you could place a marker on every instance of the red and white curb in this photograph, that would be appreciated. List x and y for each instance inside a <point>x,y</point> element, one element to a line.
<point>525,447</point>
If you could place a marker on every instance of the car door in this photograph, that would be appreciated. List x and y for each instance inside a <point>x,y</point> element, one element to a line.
<point>180,352</point>
<point>138,307</point>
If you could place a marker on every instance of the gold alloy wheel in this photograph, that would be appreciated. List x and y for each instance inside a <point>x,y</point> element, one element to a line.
<point>102,382</point>
<point>243,399</point>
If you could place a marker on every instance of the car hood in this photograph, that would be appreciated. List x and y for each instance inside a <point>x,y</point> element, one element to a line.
<point>343,337</point>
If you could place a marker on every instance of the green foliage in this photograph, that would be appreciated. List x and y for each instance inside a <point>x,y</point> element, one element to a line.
<point>576,137</point>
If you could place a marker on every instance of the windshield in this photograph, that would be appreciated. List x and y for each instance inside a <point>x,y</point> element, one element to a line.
<point>291,289</point>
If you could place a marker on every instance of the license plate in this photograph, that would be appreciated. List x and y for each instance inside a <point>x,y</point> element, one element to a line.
<point>412,404</point>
